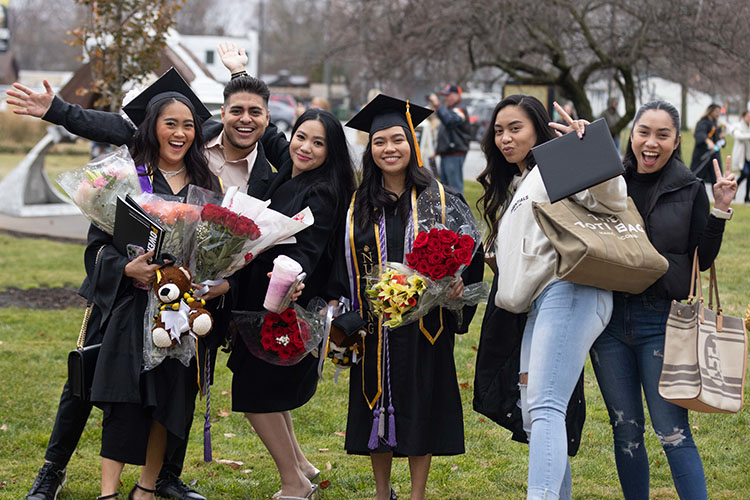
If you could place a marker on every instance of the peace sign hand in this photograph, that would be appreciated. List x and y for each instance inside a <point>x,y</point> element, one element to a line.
<point>578,126</point>
<point>725,187</point>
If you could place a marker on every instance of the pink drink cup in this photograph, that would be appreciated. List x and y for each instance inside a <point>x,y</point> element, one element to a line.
<point>285,271</point>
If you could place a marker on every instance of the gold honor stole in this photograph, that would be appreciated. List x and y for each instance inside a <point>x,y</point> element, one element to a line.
<point>357,283</point>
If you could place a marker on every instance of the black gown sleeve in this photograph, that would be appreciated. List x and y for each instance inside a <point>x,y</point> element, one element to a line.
<point>702,129</point>
<point>275,145</point>
<point>338,285</point>
<point>99,126</point>
<point>313,241</point>
<point>706,231</point>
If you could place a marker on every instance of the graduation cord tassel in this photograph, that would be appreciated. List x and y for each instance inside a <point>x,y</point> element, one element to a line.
<point>391,411</point>
<point>207,423</point>
<point>414,135</point>
<point>373,443</point>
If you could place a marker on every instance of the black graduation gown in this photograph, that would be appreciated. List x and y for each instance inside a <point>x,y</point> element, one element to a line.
<point>168,389</point>
<point>258,386</point>
<point>425,393</point>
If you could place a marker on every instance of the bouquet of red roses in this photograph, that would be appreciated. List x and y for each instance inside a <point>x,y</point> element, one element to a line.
<point>219,238</point>
<point>438,253</point>
<point>284,338</point>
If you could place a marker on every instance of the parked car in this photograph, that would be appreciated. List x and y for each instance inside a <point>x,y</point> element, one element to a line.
<point>287,98</point>
<point>282,114</point>
<point>480,114</point>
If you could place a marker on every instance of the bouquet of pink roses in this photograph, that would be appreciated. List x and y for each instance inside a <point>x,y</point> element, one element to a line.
<point>95,188</point>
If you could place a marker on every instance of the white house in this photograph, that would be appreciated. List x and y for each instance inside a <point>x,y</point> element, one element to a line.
<point>204,48</point>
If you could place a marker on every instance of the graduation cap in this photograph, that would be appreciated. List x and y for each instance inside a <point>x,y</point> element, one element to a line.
<point>168,86</point>
<point>385,112</point>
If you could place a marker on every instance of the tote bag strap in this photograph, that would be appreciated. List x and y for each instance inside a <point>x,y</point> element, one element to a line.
<point>87,312</point>
<point>713,288</point>
<point>695,275</point>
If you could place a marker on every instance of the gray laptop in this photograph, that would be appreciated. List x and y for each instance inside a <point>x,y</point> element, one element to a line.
<point>569,164</point>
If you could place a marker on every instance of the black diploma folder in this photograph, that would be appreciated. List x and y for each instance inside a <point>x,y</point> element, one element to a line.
<point>569,165</point>
<point>134,226</point>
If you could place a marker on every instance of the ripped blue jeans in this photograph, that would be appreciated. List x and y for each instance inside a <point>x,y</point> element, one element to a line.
<point>626,357</point>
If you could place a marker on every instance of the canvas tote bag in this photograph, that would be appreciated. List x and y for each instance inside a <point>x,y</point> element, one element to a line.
<point>601,250</point>
<point>704,353</point>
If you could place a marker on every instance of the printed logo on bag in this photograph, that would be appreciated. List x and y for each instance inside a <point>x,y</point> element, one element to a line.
<point>713,363</point>
<point>610,225</point>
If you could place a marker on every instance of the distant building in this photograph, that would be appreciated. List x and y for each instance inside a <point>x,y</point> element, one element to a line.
<point>204,49</point>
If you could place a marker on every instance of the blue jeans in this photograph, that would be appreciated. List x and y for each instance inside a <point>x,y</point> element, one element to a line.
<point>626,357</point>
<point>561,326</point>
<point>452,171</point>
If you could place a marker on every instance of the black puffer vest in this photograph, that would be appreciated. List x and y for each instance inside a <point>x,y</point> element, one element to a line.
<point>668,221</point>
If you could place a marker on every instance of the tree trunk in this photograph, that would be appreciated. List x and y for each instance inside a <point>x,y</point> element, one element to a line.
<point>683,107</point>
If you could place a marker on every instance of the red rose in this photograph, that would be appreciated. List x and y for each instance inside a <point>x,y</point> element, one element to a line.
<point>434,232</point>
<point>463,255</point>
<point>424,267</point>
<point>434,245</point>
<point>208,212</point>
<point>267,342</point>
<point>435,258</point>
<point>448,237</point>
<point>452,264</point>
<point>271,318</point>
<point>421,240</point>
<point>466,241</point>
<point>447,250</point>
<point>439,271</point>
<point>412,259</point>
<point>288,316</point>
<point>248,257</point>
<point>411,301</point>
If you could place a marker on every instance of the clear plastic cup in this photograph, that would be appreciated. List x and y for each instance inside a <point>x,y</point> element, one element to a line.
<point>285,272</point>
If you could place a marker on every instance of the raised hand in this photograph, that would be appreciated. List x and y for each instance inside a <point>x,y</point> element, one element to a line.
<point>725,187</point>
<point>30,103</point>
<point>233,58</point>
<point>578,126</point>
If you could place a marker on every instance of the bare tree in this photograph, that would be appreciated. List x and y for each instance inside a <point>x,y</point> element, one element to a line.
<point>562,43</point>
<point>122,39</point>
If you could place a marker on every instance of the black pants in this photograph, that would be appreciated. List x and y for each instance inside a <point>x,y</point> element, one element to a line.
<point>744,176</point>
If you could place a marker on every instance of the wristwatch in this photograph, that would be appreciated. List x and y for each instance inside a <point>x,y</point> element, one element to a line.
<point>721,214</point>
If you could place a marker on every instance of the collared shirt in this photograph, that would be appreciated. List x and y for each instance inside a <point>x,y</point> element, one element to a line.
<point>232,173</point>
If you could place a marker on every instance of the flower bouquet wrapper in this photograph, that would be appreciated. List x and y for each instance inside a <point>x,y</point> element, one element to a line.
<point>177,218</point>
<point>286,338</point>
<point>94,188</point>
<point>184,351</point>
<point>226,240</point>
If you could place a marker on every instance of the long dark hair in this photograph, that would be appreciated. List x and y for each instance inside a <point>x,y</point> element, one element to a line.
<point>373,198</point>
<point>498,175</point>
<point>145,147</point>
<point>630,160</point>
<point>334,178</point>
<point>710,109</point>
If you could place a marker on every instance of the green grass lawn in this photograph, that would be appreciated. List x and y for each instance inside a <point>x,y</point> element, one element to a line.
<point>34,346</point>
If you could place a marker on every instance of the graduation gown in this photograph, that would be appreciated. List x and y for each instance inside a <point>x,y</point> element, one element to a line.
<point>168,389</point>
<point>259,386</point>
<point>423,385</point>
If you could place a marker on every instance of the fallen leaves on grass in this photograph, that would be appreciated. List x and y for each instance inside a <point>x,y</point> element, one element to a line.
<point>4,427</point>
<point>323,450</point>
<point>224,412</point>
<point>234,464</point>
<point>340,434</point>
<point>229,435</point>
<point>324,485</point>
<point>329,466</point>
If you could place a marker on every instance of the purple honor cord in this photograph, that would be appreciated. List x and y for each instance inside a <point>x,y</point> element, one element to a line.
<point>207,423</point>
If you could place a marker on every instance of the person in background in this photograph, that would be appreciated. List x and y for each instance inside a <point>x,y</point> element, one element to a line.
<point>611,116</point>
<point>320,103</point>
<point>453,136</point>
<point>741,152</point>
<point>709,137</point>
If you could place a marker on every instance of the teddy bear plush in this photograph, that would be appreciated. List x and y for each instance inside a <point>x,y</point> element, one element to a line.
<point>173,287</point>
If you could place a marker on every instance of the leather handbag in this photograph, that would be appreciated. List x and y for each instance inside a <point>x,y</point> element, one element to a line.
<point>704,353</point>
<point>606,251</point>
<point>82,360</point>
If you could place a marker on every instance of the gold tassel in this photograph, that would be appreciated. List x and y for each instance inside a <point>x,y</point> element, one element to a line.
<point>414,135</point>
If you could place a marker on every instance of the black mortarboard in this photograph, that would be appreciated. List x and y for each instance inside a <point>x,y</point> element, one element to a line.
<point>385,112</point>
<point>169,85</point>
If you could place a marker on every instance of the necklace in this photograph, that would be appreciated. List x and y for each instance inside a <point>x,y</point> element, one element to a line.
<point>169,174</point>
